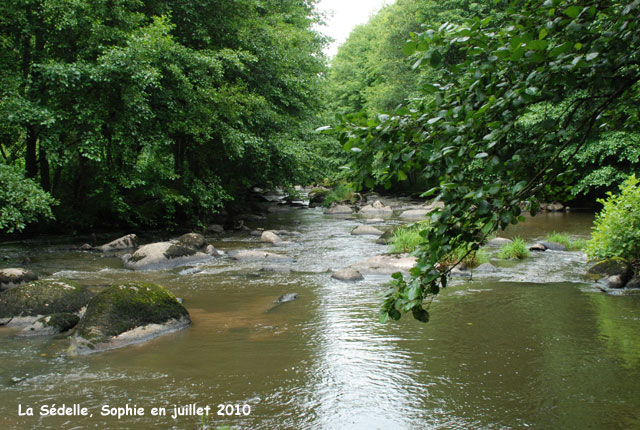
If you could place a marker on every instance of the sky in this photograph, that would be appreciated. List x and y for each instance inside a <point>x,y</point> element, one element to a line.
<point>343,16</point>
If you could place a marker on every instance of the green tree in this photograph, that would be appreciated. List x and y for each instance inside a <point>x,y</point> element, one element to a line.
<point>466,136</point>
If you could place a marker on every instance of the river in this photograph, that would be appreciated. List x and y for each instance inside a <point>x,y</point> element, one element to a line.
<point>532,345</point>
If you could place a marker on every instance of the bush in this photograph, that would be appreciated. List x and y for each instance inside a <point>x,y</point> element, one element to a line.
<point>565,239</point>
<point>22,201</point>
<point>514,250</point>
<point>616,230</point>
<point>341,193</point>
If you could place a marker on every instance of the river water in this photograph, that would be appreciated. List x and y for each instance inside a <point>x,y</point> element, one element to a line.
<point>531,345</point>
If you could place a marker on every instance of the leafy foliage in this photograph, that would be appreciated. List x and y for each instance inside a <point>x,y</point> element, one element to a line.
<point>516,249</point>
<point>464,134</point>
<point>159,112</point>
<point>616,231</point>
<point>22,201</point>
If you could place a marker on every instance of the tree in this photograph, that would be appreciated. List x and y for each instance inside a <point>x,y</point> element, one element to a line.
<point>467,135</point>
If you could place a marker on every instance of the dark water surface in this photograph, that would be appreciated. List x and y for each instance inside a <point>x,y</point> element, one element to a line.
<point>532,345</point>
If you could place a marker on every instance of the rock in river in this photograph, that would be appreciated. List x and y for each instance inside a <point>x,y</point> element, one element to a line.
<point>347,274</point>
<point>366,229</point>
<point>339,210</point>
<point>27,303</point>
<point>377,209</point>
<point>51,325</point>
<point>163,255</point>
<point>125,314</point>
<point>125,242</point>
<point>385,264</point>
<point>259,255</point>
<point>13,277</point>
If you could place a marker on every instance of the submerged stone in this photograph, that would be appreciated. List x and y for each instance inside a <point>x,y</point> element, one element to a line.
<point>339,210</point>
<point>366,230</point>
<point>347,274</point>
<point>25,304</point>
<point>125,314</point>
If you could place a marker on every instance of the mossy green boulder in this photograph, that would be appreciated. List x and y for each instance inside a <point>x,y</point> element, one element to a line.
<point>164,255</point>
<point>128,313</point>
<point>26,303</point>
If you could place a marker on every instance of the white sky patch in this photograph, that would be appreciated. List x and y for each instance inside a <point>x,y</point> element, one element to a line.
<point>343,16</point>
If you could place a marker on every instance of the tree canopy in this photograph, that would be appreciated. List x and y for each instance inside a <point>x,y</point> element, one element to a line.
<point>149,112</point>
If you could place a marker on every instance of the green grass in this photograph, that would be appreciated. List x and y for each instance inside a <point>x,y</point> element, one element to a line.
<point>406,239</point>
<point>515,250</point>
<point>564,239</point>
<point>341,193</point>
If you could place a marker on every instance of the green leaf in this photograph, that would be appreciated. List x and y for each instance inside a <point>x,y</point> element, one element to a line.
<point>572,11</point>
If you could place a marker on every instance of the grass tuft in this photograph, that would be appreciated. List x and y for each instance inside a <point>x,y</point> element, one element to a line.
<point>515,250</point>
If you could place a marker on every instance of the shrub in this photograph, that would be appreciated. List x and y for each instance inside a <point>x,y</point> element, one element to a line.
<point>566,240</point>
<point>341,193</point>
<point>616,230</point>
<point>514,250</point>
<point>22,201</point>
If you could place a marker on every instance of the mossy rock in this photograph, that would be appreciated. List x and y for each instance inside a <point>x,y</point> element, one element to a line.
<point>193,241</point>
<point>615,266</point>
<point>125,308</point>
<point>162,255</point>
<point>177,251</point>
<point>44,297</point>
<point>13,277</point>
<point>51,325</point>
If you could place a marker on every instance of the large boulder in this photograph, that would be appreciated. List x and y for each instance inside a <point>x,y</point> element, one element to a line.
<point>376,209</point>
<point>366,230</point>
<point>611,273</point>
<point>14,277</point>
<point>129,241</point>
<point>125,314</point>
<point>27,303</point>
<point>339,210</point>
<point>188,248</point>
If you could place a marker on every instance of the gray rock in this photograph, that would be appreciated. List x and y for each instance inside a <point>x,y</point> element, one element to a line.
<point>215,228</point>
<point>339,210</point>
<point>287,298</point>
<point>366,230</point>
<point>278,209</point>
<point>634,283</point>
<point>51,325</point>
<point>377,209</point>
<point>347,274</point>
<point>125,314</point>
<point>193,241</point>
<point>212,251</point>
<point>460,272</point>
<point>317,196</point>
<point>499,241</point>
<point>539,247</point>
<point>270,237</point>
<point>162,255</point>
<point>615,281</point>
<point>125,242</point>
<point>611,267</point>
<point>373,221</point>
<point>14,277</point>
<point>387,237</point>
<point>27,303</point>
<point>553,246</point>
<point>554,207</point>
<point>86,247</point>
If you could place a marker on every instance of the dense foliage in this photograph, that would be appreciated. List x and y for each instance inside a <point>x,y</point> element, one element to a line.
<point>466,136</point>
<point>21,200</point>
<point>155,111</point>
<point>616,231</point>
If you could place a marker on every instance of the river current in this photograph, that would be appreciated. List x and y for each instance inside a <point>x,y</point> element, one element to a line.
<point>531,345</point>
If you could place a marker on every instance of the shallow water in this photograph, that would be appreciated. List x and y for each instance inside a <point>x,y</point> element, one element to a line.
<point>532,345</point>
